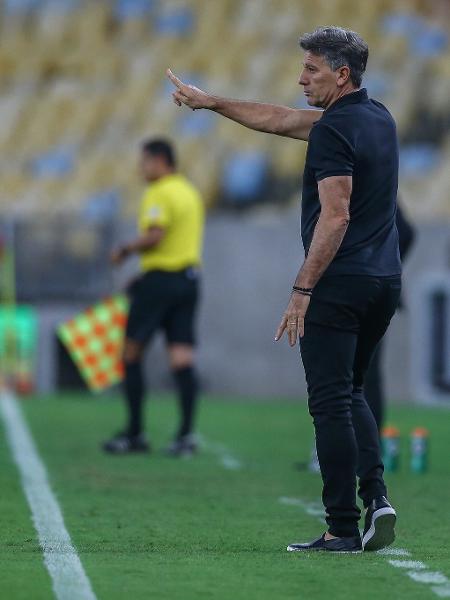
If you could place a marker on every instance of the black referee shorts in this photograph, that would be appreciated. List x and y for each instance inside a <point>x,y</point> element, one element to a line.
<point>164,300</point>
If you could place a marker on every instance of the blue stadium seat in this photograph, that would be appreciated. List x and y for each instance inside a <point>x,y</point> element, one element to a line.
<point>425,39</point>
<point>377,83</point>
<point>125,10</point>
<point>402,23</point>
<point>101,206</point>
<point>18,7</point>
<point>244,177</point>
<point>58,162</point>
<point>432,41</point>
<point>59,6</point>
<point>194,124</point>
<point>418,160</point>
<point>175,21</point>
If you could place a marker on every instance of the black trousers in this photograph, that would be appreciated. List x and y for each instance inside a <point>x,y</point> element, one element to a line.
<point>346,319</point>
<point>373,387</point>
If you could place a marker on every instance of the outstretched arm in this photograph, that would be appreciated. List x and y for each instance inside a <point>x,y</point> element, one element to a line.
<point>268,118</point>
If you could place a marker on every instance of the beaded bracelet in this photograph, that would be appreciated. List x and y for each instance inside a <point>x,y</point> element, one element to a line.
<point>303,291</point>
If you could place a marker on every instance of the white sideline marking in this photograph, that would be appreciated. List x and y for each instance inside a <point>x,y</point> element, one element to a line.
<point>443,591</point>
<point>428,577</point>
<point>231,463</point>
<point>407,564</point>
<point>313,509</point>
<point>60,557</point>
<point>226,459</point>
<point>420,574</point>
<point>394,552</point>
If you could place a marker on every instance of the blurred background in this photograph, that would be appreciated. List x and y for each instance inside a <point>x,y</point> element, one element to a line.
<point>82,84</point>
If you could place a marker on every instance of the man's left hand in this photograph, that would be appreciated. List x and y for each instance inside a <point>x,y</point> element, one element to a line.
<point>293,320</point>
<point>119,255</point>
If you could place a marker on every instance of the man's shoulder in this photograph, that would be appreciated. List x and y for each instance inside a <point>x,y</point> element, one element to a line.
<point>341,117</point>
<point>377,104</point>
<point>147,193</point>
<point>363,110</point>
<point>355,109</point>
<point>178,184</point>
<point>164,189</point>
<point>347,119</point>
<point>171,192</point>
<point>182,190</point>
<point>331,128</point>
<point>150,194</point>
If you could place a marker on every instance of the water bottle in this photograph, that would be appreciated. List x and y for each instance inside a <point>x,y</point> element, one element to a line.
<point>390,445</point>
<point>419,450</point>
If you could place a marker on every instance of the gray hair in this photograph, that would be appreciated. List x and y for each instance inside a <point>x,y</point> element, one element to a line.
<point>340,47</point>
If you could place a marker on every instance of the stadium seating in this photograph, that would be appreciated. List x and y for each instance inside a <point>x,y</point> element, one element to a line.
<point>83,82</point>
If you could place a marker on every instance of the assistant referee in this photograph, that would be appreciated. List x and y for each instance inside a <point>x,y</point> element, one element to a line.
<point>165,296</point>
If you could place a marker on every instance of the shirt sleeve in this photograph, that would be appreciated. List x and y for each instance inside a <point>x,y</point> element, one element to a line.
<point>155,211</point>
<point>330,153</point>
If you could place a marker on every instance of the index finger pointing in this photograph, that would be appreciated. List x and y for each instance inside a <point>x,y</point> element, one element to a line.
<point>174,79</point>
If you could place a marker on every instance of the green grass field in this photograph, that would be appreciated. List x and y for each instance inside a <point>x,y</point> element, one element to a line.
<point>150,527</point>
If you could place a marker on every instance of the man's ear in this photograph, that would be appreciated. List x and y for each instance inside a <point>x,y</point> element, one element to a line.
<point>343,75</point>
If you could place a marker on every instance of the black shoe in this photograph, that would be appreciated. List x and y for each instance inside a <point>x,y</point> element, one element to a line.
<point>184,446</point>
<point>122,443</point>
<point>379,525</point>
<point>339,544</point>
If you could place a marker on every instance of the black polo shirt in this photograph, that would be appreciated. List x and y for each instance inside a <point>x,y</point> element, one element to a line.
<point>356,136</point>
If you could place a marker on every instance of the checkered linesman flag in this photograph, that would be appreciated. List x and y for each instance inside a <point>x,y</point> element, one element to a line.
<point>94,340</point>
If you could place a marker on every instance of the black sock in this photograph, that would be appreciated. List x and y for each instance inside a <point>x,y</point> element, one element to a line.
<point>186,381</point>
<point>134,392</point>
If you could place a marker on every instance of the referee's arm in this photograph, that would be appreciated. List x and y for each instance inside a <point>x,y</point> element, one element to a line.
<point>147,240</point>
<point>268,118</point>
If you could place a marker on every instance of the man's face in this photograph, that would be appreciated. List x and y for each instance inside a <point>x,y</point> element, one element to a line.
<point>320,83</point>
<point>151,167</point>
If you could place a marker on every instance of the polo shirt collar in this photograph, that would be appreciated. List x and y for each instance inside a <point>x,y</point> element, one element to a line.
<point>352,98</point>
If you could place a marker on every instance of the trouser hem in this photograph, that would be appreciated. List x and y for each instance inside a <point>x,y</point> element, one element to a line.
<point>343,531</point>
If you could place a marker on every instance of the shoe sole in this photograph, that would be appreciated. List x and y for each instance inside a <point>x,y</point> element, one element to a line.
<point>381,531</point>
<point>328,551</point>
<point>289,549</point>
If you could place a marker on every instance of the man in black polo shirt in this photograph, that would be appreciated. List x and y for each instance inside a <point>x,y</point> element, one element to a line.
<point>349,284</point>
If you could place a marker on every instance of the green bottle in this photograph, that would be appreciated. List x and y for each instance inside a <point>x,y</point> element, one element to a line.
<point>390,446</point>
<point>419,450</point>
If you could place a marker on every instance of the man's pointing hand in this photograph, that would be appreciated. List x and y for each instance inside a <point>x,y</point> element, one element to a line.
<point>189,94</point>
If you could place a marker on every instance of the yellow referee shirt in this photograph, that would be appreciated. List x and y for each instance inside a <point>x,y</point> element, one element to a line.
<point>173,204</point>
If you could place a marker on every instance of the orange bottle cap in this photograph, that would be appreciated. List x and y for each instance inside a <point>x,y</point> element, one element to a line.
<point>419,432</point>
<point>390,431</point>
